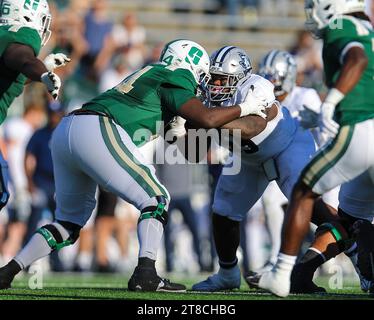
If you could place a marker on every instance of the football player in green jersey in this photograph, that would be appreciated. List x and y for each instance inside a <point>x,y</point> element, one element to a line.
<point>24,29</point>
<point>347,114</point>
<point>98,145</point>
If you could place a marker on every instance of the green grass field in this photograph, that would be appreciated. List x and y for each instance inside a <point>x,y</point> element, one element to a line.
<point>103,287</point>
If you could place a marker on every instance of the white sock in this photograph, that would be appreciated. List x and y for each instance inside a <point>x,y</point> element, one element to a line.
<point>149,234</point>
<point>35,249</point>
<point>274,220</point>
<point>285,264</point>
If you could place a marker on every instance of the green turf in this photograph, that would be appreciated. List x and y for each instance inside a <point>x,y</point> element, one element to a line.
<point>75,286</point>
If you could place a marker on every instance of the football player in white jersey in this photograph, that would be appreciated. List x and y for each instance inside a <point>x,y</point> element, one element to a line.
<point>268,155</point>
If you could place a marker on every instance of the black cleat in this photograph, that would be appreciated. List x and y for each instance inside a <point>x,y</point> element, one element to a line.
<point>7,274</point>
<point>146,279</point>
<point>303,284</point>
<point>364,234</point>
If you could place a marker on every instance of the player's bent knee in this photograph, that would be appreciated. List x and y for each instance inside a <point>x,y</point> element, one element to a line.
<point>338,232</point>
<point>60,234</point>
<point>158,212</point>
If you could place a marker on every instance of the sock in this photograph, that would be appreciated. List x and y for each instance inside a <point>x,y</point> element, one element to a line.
<point>309,263</point>
<point>274,220</point>
<point>35,249</point>
<point>146,263</point>
<point>226,237</point>
<point>149,234</point>
<point>285,264</point>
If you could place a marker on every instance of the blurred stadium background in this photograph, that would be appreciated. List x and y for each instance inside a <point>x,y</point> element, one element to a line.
<point>107,40</point>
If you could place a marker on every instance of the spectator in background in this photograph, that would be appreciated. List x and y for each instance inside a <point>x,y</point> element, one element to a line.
<point>97,29</point>
<point>308,55</point>
<point>104,227</point>
<point>129,38</point>
<point>39,173</point>
<point>155,53</point>
<point>115,74</point>
<point>17,132</point>
<point>178,179</point>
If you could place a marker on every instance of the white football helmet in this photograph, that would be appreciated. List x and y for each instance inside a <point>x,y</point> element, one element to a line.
<point>231,65</point>
<point>34,14</point>
<point>189,55</point>
<point>319,13</point>
<point>279,67</point>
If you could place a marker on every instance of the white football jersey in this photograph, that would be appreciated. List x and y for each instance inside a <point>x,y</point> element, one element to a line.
<point>296,102</point>
<point>278,132</point>
<point>300,97</point>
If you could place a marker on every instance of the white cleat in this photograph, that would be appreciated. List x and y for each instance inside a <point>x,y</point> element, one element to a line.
<point>275,282</point>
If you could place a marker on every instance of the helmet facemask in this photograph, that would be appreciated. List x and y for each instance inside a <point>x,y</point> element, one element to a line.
<point>45,32</point>
<point>225,89</point>
<point>229,67</point>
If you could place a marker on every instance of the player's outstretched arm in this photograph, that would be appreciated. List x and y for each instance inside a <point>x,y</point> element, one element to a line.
<point>21,58</point>
<point>251,125</point>
<point>202,117</point>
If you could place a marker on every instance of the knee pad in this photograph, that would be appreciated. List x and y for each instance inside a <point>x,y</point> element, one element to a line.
<point>158,212</point>
<point>341,240</point>
<point>60,234</point>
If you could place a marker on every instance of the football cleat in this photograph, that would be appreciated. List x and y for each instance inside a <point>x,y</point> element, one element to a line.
<point>304,285</point>
<point>253,279</point>
<point>147,280</point>
<point>271,281</point>
<point>224,279</point>
<point>7,274</point>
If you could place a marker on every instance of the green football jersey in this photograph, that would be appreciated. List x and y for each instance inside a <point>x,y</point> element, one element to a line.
<point>11,82</point>
<point>358,104</point>
<point>149,95</point>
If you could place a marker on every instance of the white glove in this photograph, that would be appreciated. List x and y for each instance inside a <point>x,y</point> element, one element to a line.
<point>177,128</point>
<point>308,118</point>
<point>56,60</point>
<point>327,123</point>
<point>253,105</point>
<point>52,82</point>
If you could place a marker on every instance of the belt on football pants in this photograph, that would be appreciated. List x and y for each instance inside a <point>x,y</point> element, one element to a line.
<point>79,112</point>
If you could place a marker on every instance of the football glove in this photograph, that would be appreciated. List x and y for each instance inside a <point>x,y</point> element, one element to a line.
<point>327,123</point>
<point>52,82</point>
<point>56,60</point>
<point>253,105</point>
<point>177,128</point>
